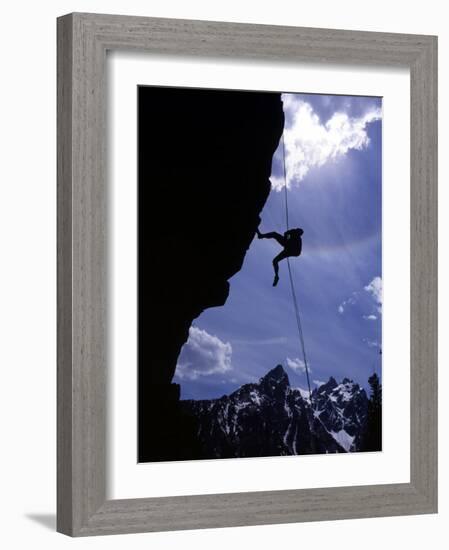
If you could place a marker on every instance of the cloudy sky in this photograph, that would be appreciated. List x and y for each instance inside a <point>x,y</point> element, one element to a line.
<point>333,160</point>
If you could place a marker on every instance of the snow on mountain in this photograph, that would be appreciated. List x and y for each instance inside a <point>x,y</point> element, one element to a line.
<point>270,418</point>
<point>305,394</point>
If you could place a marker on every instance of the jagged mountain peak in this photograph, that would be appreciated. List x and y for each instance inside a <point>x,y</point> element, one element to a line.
<point>275,383</point>
<point>277,374</point>
<point>327,387</point>
<point>271,418</point>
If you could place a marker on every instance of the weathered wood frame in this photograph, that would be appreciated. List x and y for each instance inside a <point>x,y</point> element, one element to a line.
<point>83,40</point>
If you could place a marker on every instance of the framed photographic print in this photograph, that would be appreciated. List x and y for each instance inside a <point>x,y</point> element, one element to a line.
<point>246,274</point>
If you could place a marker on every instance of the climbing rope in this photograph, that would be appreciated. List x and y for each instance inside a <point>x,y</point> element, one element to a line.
<point>292,285</point>
<point>285,185</point>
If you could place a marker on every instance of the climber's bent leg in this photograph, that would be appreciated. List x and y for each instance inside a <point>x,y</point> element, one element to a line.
<point>281,256</point>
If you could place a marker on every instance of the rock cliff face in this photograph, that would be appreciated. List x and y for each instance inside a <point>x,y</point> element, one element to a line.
<point>204,166</point>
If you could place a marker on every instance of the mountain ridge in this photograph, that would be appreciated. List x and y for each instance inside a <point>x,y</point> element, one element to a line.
<point>270,418</point>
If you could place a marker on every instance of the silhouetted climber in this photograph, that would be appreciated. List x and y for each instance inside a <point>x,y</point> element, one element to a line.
<point>290,241</point>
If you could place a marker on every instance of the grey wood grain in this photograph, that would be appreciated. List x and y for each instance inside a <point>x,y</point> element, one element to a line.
<point>83,40</point>
<point>64,278</point>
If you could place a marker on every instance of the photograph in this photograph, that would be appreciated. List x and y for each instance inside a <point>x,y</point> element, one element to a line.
<point>259,274</point>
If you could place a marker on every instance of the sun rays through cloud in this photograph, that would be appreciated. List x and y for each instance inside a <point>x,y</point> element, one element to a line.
<point>310,143</point>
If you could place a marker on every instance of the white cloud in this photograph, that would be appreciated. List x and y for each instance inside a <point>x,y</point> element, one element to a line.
<point>297,365</point>
<point>309,143</point>
<point>277,183</point>
<point>318,382</point>
<point>375,289</point>
<point>349,302</point>
<point>202,355</point>
<point>371,343</point>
